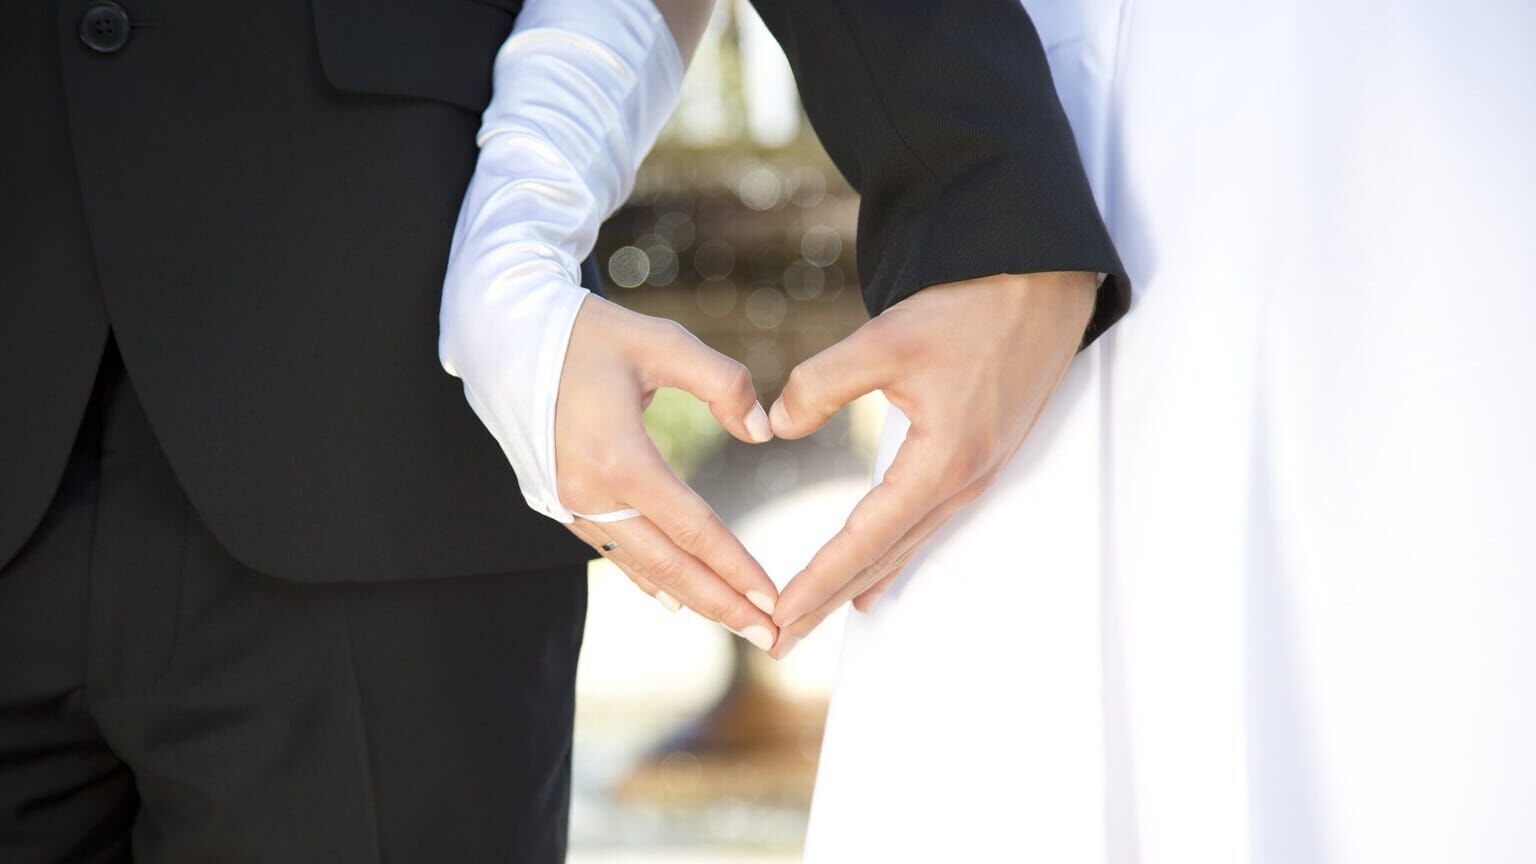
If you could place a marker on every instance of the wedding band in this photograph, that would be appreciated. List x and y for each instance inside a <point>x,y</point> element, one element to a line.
<point>609,546</point>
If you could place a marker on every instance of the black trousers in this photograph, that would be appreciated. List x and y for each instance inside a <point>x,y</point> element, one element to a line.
<point>160,702</point>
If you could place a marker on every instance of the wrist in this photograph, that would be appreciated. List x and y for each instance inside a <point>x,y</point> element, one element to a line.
<point>1036,306</point>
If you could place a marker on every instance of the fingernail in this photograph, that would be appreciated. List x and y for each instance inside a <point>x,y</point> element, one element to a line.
<point>787,646</point>
<point>668,601</point>
<point>757,424</point>
<point>757,634</point>
<point>761,601</point>
<point>779,413</point>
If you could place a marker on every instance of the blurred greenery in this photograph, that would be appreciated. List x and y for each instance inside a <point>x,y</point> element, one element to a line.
<point>683,429</point>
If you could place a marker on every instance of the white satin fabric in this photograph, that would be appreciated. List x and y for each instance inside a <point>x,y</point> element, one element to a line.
<point>581,89</point>
<point>1259,588</point>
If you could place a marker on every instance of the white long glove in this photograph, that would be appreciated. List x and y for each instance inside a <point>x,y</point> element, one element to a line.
<point>581,90</point>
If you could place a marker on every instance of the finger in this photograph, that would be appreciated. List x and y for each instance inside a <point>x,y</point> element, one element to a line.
<point>684,362</point>
<point>865,589</point>
<point>667,601</point>
<point>881,579</point>
<point>872,578</point>
<point>874,584</point>
<point>603,545</point>
<point>872,581</point>
<point>672,506</point>
<point>820,386</point>
<point>880,576</point>
<point>869,585</point>
<point>913,486</point>
<point>869,599</point>
<point>681,575</point>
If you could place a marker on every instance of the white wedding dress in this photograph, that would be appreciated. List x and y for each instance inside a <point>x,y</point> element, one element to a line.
<point>1261,586</point>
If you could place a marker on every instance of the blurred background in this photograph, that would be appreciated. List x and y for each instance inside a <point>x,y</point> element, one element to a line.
<point>692,746</point>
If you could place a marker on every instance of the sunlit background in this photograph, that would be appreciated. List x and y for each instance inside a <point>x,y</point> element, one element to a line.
<point>690,745</point>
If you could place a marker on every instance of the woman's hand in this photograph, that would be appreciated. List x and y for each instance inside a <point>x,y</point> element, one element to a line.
<point>676,549</point>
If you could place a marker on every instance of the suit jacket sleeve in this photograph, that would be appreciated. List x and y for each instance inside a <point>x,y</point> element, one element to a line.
<point>943,115</point>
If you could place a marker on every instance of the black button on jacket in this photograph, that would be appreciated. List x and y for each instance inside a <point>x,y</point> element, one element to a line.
<point>104,27</point>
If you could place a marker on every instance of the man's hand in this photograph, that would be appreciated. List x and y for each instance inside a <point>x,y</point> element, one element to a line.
<point>677,550</point>
<point>971,365</point>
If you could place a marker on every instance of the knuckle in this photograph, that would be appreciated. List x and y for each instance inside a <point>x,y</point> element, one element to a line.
<point>857,537</point>
<point>736,381</point>
<point>890,561</point>
<point>873,576</point>
<point>618,464</point>
<point>580,482</point>
<point>984,480</point>
<point>878,331</point>
<point>673,332</point>
<point>605,469</point>
<point>652,333</point>
<point>720,610</point>
<point>804,385</point>
<point>571,494</point>
<point>963,467</point>
<point>689,537</point>
<point>666,570</point>
<point>883,563</point>
<point>884,336</point>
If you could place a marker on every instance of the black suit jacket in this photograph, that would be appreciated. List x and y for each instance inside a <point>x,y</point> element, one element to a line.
<point>256,200</point>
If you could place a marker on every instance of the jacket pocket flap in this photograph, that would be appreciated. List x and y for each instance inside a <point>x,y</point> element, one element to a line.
<point>425,49</point>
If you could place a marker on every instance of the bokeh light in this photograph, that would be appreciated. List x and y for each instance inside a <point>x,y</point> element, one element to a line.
<point>629,267</point>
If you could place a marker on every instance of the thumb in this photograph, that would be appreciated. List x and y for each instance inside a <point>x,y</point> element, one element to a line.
<point>680,360</point>
<point>819,387</point>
